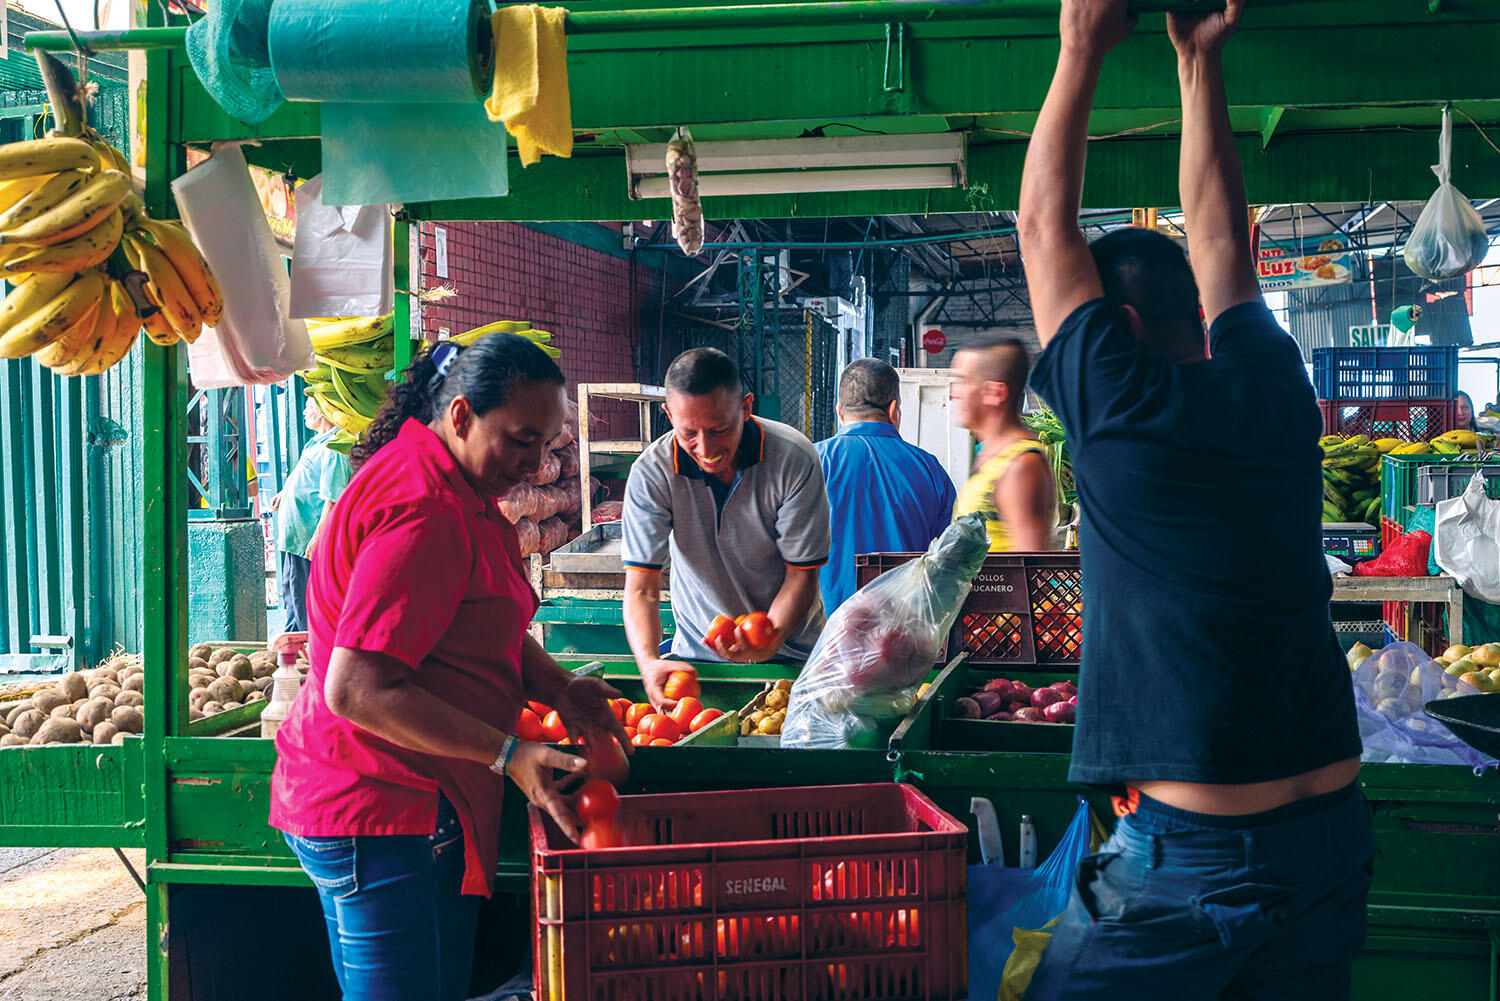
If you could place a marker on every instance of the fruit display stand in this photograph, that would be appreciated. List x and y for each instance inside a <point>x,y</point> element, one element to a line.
<point>1441,591</point>
<point>197,803</point>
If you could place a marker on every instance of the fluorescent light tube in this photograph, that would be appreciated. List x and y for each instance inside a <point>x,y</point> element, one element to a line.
<point>791,182</point>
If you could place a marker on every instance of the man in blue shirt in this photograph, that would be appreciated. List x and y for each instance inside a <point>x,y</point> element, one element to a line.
<point>885,495</point>
<point>1242,860</point>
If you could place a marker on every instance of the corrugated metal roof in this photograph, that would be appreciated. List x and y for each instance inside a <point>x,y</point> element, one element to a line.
<point>18,70</point>
<point>1321,317</point>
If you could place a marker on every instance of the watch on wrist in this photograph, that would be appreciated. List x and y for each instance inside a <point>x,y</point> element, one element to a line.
<point>501,765</point>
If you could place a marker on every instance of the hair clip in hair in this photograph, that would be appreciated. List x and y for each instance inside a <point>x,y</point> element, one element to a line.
<point>443,355</point>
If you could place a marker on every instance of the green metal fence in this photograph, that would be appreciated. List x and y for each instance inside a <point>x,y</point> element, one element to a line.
<point>68,462</point>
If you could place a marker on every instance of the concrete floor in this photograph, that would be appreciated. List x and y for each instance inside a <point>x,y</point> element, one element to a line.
<point>72,926</point>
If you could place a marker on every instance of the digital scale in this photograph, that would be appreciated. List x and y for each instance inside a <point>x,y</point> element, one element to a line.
<point>1351,541</point>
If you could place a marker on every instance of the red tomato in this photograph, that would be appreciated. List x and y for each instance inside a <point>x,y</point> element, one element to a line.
<point>599,836</point>
<point>702,720</point>
<point>684,712</point>
<point>657,725</point>
<point>720,631</point>
<point>607,761</point>
<point>630,731</point>
<point>529,726</point>
<point>598,803</point>
<point>552,728</point>
<point>538,708</point>
<point>681,684</point>
<point>758,630</point>
<point>638,711</point>
<point>641,740</point>
<point>659,742</point>
<point>618,707</point>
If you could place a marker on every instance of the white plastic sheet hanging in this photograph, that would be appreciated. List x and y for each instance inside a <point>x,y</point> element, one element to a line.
<point>257,340</point>
<point>1466,540</point>
<point>342,262</point>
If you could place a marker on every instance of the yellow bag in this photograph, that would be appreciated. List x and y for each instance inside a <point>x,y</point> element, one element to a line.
<point>1023,962</point>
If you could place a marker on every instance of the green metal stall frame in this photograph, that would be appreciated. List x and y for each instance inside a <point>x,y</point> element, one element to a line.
<point>1322,120</point>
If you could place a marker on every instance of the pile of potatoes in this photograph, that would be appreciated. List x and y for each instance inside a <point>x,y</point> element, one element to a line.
<point>223,679</point>
<point>99,706</point>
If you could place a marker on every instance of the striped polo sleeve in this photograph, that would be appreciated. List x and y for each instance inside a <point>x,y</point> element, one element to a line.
<point>646,525</point>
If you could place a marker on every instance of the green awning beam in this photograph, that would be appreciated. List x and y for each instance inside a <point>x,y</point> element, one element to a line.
<point>737,16</point>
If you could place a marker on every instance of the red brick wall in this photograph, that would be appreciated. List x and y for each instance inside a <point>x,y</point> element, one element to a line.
<point>590,300</point>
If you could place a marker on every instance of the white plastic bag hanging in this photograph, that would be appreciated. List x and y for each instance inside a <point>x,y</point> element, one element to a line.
<point>342,264</point>
<point>1466,540</point>
<point>1448,239</point>
<point>218,204</point>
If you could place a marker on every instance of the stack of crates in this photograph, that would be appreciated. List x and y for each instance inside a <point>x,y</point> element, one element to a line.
<point>1392,392</point>
<point>1405,393</point>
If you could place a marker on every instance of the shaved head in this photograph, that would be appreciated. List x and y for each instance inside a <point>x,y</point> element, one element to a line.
<point>1003,360</point>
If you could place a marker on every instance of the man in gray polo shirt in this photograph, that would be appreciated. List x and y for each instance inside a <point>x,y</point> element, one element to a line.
<point>738,503</point>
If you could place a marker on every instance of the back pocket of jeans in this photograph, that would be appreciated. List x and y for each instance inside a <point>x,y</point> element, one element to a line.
<point>329,862</point>
<point>1242,908</point>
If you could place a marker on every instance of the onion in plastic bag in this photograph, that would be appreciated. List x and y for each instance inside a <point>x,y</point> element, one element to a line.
<point>1449,238</point>
<point>880,644</point>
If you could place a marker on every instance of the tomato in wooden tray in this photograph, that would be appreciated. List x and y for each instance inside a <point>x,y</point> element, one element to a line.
<point>637,712</point>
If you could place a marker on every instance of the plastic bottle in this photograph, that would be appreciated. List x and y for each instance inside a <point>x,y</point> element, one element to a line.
<point>286,682</point>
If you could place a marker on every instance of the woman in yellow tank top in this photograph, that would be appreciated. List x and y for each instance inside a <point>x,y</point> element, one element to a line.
<point>979,494</point>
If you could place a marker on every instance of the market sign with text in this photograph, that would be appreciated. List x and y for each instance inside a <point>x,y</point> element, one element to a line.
<point>1317,262</point>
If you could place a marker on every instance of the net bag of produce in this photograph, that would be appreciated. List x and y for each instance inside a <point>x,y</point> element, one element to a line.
<point>880,644</point>
<point>1390,688</point>
<point>1448,239</point>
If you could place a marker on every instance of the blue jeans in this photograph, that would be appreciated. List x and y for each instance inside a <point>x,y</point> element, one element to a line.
<point>294,571</point>
<point>1186,907</point>
<point>398,927</point>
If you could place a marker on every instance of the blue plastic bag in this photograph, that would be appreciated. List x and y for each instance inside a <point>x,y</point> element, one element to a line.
<point>1002,899</point>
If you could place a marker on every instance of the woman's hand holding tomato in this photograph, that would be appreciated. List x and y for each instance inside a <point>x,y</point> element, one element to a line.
<point>531,769</point>
<point>585,707</point>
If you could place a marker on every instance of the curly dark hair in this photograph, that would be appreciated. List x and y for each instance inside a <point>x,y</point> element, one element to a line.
<point>483,373</point>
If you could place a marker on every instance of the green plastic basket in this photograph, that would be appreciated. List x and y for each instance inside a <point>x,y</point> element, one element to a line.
<point>1398,480</point>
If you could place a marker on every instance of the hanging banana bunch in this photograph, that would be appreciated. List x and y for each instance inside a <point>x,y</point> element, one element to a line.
<point>355,354</point>
<point>72,233</point>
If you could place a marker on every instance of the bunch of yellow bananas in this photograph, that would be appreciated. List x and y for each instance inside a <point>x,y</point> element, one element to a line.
<point>1460,441</point>
<point>66,209</point>
<point>178,281</point>
<point>353,355</point>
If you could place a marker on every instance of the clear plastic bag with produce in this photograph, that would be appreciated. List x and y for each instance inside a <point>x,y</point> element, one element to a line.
<point>1390,688</point>
<point>1449,238</point>
<point>880,644</point>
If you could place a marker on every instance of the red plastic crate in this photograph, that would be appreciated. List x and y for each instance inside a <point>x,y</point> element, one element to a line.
<point>1409,420</point>
<point>816,893</point>
<point>1024,608</point>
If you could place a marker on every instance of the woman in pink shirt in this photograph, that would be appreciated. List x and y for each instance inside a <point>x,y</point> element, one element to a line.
<point>392,763</point>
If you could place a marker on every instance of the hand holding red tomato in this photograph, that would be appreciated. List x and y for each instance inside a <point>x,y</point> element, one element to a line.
<point>755,639</point>
<point>585,708</point>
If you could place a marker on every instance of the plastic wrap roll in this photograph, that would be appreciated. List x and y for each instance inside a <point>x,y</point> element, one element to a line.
<point>376,51</point>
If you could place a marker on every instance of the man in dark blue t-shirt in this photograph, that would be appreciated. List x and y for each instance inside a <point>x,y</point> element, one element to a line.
<point>1213,697</point>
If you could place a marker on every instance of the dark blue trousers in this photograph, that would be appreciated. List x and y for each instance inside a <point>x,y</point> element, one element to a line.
<point>1185,907</point>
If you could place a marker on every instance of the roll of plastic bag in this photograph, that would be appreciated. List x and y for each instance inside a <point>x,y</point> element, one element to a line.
<point>222,213</point>
<point>342,262</point>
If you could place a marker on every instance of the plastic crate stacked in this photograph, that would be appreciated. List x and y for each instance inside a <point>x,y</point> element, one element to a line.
<point>1393,392</point>
<point>1023,609</point>
<point>1405,393</point>
<point>797,894</point>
